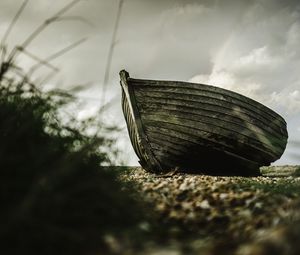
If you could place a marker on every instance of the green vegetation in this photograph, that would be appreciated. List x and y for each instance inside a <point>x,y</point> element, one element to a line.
<point>281,186</point>
<point>59,192</point>
<point>297,172</point>
<point>57,197</point>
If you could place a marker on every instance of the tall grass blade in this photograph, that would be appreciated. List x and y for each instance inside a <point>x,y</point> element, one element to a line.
<point>56,55</point>
<point>44,25</point>
<point>76,18</point>
<point>110,53</point>
<point>39,60</point>
<point>9,29</point>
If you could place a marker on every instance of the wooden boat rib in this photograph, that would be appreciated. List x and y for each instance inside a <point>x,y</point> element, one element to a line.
<point>197,127</point>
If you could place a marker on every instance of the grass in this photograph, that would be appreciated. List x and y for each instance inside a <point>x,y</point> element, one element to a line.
<point>297,172</point>
<point>57,193</point>
<point>276,186</point>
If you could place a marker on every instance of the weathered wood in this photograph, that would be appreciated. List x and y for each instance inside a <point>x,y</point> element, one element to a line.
<point>140,141</point>
<point>226,94</point>
<point>215,133</point>
<point>193,126</point>
<point>206,101</point>
<point>227,118</point>
<point>211,122</point>
<point>183,140</point>
<point>213,112</point>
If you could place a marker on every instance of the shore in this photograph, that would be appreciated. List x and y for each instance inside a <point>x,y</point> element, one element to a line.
<point>224,215</point>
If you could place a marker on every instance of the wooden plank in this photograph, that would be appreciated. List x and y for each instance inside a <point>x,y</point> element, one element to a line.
<point>209,88</point>
<point>151,101</point>
<point>197,156</point>
<point>181,139</point>
<point>213,130</point>
<point>245,123</point>
<point>221,121</point>
<point>189,100</point>
<point>215,138</point>
<point>205,163</point>
<point>204,93</point>
<point>166,161</point>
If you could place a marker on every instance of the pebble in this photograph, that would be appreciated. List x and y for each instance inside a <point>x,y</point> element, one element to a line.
<point>217,203</point>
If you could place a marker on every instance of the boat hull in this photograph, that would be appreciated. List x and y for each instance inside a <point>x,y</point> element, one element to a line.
<point>199,128</point>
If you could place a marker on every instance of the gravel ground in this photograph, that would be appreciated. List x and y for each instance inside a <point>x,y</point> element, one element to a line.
<point>224,215</point>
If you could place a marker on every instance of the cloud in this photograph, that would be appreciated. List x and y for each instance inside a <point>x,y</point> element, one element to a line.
<point>229,81</point>
<point>251,47</point>
<point>289,100</point>
<point>260,58</point>
<point>260,61</point>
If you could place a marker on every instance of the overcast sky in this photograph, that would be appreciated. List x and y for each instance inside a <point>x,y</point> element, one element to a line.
<point>251,47</point>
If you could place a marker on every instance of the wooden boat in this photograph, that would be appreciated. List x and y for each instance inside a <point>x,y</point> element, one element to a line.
<point>199,128</point>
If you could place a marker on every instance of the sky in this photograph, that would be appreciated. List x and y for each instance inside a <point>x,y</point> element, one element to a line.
<point>251,47</point>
